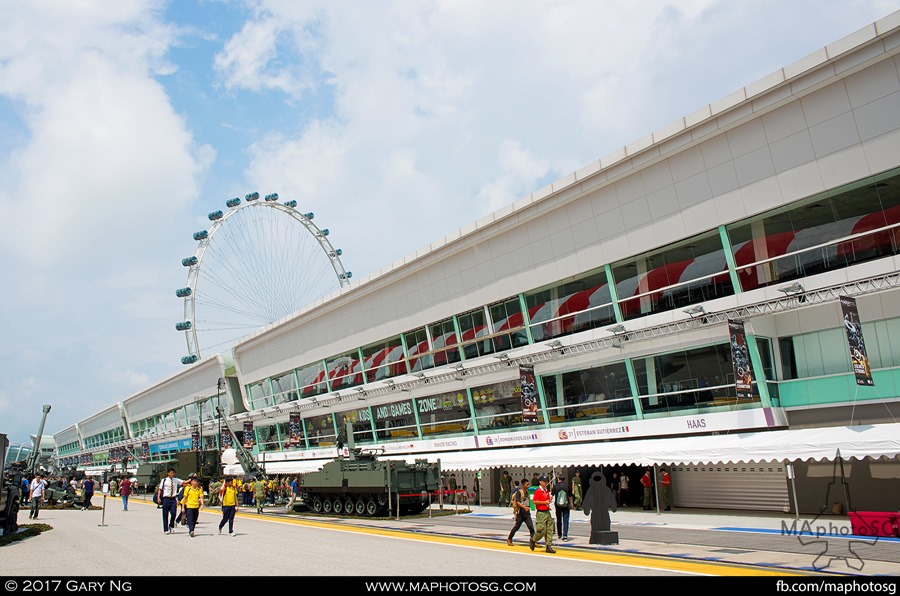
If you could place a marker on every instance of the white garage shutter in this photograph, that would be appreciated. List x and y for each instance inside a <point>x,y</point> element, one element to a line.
<point>761,487</point>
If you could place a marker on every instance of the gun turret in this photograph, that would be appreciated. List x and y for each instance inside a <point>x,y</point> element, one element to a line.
<point>35,456</point>
<point>248,464</point>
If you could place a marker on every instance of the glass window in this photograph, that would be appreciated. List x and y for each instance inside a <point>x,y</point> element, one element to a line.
<point>787,243</point>
<point>446,413</point>
<point>509,324</point>
<point>444,340</point>
<point>395,421</point>
<point>883,342</point>
<point>788,359</point>
<point>688,379</point>
<point>257,394</point>
<point>320,430</point>
<point>580,303</point>
<point>384,359</point>
<point>312,380</point>
<point>345,370</point>
<point>499,406</point>
<point>688,272</point>
<point>362,424</point>
<point>418,350</point>
<point>764,346</point>
<point>472,326</point>
<point>284,388</point>
<point>267,438</point>
<point>589,394</point>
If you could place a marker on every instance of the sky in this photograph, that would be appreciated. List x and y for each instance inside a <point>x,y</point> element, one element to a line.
<point>123,123</point>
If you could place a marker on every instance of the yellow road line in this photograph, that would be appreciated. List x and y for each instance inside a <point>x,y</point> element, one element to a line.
<point>656,562</point>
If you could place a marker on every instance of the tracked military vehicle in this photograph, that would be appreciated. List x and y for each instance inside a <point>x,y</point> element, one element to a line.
<point>360,484</point>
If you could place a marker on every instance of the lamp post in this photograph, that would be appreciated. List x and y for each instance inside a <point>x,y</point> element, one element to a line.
<point>220,386</point>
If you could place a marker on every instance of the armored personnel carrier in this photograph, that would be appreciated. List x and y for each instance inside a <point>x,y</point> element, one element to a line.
<point>361,484</point>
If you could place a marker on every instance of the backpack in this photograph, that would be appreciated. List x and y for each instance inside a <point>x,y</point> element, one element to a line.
<point>562,499</point>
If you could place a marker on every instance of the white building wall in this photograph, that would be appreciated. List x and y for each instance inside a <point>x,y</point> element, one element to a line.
<point>826,120</point>
<point>185,387</point>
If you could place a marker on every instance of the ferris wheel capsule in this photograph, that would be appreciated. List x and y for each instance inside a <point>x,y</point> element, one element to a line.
<point>272,197</point>
<point>215,215</point>
<point>251,196</point>
<point>291,204</point>
<point>189,359</point>
<point>309,215</point>
<point>232,202</point>
<point>183,292</point>
<point>183,326</point>
<point>201,235</point>
<point>189,261</point>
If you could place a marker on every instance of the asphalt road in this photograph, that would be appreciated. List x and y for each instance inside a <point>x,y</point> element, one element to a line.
<point>133,544</point>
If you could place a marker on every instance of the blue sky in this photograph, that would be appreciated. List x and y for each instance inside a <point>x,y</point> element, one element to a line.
<point>124,122</point>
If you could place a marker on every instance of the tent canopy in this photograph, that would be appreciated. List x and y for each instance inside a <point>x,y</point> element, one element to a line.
<point>817,444</point>
<point>810,444</point>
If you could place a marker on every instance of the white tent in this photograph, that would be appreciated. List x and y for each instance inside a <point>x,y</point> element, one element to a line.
<point>816,444</point>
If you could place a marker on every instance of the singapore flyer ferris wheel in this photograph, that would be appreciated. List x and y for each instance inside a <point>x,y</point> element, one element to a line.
<point>258,262</point>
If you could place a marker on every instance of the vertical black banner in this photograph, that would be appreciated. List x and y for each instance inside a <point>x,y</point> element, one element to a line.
<point>296,429</point>
<point>859,358</point>
<point>248,434</point>
<point>225,438</point>
<point>145,450</point>
<point>195,440</point>
<point>529,393</point>
<point>740,358</point>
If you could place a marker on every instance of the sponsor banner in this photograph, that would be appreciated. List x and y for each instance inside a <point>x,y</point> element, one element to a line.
<point>145,449</point>
<point>100,457</point>
<point>225,438</point>
<point>195,441</point>
<point>176,445</point>
<point>248,434</point>
<point>296,430</point>
<point>528,389</point>
<point>859,358</point>
<point>740,358</point>
<point>393,411</point>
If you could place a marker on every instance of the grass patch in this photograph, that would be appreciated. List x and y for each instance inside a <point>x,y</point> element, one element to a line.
<point>25,531</point>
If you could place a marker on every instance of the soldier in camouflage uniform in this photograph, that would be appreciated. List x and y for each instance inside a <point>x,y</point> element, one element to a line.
<point>505,486</point>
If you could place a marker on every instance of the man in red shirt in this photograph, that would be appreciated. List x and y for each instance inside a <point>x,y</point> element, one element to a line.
<point>544,522</point>
<point>647,483</point>
<point>666,483</point>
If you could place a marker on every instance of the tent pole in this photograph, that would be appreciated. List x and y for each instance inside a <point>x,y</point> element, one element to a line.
<point>789,468</point>
<point>656,486</point>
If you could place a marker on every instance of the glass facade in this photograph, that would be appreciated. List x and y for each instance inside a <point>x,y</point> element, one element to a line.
<point>589,395</point>
<point>833,230</point>
<point>444,414</point>
<point>498,406</point>
<point>581,303</point>
<point>688,272</point>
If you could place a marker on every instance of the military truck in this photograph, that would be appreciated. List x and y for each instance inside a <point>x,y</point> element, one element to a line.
<point>360,484</point>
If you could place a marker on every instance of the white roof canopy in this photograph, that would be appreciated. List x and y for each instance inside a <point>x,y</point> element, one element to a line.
<point>816,444</point>
<point>854,442</point>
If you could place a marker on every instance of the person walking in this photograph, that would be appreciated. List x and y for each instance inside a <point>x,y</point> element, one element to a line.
<point>623,490</point>
<point>36,495</point>
<point>453,487</point>
<point>647,482</point>
<point>521,503</point>
<point>562,502</point>
<point>125,492</point>
<point>576,490</point>
<point>666,483</point>
<point>229,496</point>
<point>87,489</point>
<point>166,494</point>
<point>193,501</point>
<point>505,487</point>
<point>259,491</point>
<point>290,506</point>
<point>543,529</point>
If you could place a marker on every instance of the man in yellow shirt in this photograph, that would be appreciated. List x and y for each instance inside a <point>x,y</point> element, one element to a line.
<point>192,501</point>
<point>229,495</point>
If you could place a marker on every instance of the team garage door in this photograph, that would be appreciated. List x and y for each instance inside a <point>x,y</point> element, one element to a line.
<point>761,487</point>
